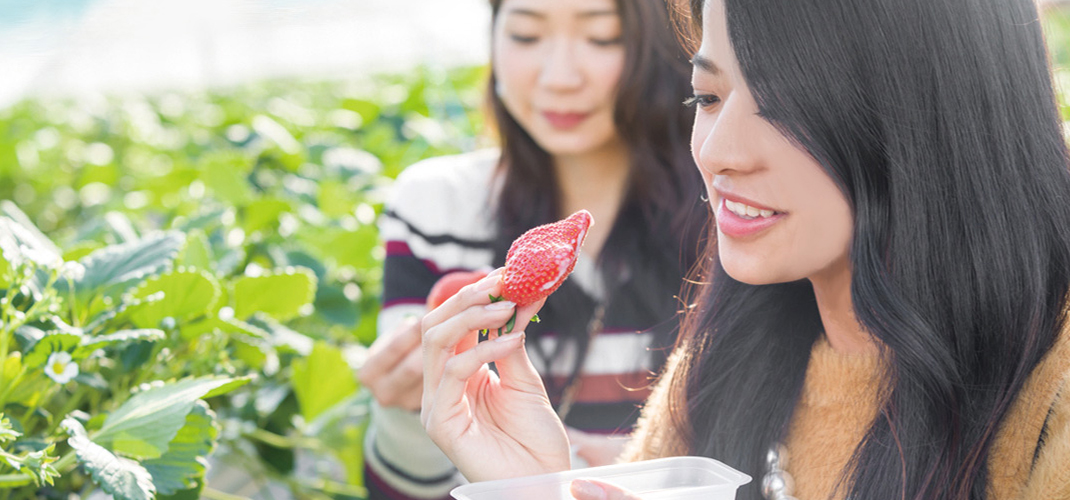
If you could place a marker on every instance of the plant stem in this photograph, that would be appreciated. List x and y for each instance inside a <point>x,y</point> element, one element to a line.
<point>278,441</point>
<point>14,480</point>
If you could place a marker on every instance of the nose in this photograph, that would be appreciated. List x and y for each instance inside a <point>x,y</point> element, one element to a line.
<point>561,70</point>
<point>727,142</point>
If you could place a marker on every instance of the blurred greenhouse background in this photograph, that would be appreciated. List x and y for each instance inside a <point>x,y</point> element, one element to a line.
<point>190,192</point>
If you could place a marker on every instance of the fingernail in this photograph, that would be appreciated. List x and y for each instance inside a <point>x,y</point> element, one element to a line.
<point>496,272</point>
<point>500,306</point>
<point>511,336</point>
<point>587,490</point>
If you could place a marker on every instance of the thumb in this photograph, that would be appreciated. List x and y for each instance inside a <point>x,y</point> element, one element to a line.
<point>515,370</point>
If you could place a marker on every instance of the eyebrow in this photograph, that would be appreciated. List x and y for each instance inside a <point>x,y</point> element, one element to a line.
<point>586,14</point>
<point>705,64</point>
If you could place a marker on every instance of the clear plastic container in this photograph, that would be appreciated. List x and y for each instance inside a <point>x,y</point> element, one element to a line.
<point>675,478</point>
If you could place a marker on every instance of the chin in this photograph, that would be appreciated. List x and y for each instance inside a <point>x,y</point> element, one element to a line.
<point>749,275</point>
<point>753,270</point>
<point>562,146</point>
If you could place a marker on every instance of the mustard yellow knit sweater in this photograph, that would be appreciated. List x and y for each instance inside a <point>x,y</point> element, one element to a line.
<point>842,389</point>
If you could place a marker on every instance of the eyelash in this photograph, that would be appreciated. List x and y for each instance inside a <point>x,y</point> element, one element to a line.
<point>606,43</point>
<point>702,100</point>
<point>525,40</point>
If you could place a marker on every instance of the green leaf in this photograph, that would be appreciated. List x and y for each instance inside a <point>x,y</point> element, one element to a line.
<point>12,365</point>
<point>224,172</point>
<point>336,199</point>
<point>38,464</point>
<point>7,433</point>
<point>187,294</point>
<point>144,425</point>
<point>263,213</point>
<point>53,342</point>
<point>81,249</point>
<point>197,253</point>
<point>226,326</point>
<point>35,238</point>
<point>19,244</point>
<point>186,458</point>
<point>322,380</point>
<point>122,477</point>
<point>116,267</point>
<point>282,337</point>
<point>90,344</point>
<point>280,295</point>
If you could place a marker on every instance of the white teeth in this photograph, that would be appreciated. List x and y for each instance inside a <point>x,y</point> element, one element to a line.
<point>747,211</point>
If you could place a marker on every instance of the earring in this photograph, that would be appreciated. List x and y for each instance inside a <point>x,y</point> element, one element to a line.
<point>499,89</point>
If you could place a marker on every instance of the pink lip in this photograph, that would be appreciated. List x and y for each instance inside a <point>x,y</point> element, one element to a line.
<point>564,121</point>
<point>737,227</point>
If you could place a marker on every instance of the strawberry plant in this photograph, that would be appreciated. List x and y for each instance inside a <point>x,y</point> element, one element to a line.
<point>153,242</point>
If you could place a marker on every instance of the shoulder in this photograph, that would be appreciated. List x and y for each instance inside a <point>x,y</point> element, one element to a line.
<point>1050,476</point>
<point>448,194</point>
<point>657,434</point>
<point>444,177</point>
<point>1034,443</point>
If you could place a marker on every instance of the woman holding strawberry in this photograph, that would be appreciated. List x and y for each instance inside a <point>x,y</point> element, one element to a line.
<point>586,97</point>
<point>883,315</point>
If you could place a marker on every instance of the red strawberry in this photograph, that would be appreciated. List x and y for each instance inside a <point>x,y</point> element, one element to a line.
<point>449,284</point>
<point>540,259</point>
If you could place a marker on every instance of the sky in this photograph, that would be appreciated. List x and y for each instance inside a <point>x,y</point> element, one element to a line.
<point>70,47</point>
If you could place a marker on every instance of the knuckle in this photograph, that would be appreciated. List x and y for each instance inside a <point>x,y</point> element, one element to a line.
<point>453,368</point>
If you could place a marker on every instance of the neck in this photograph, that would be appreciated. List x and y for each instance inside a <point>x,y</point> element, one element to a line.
<point>595,181</point>
<point>832,289</point>
<point>591,177</point>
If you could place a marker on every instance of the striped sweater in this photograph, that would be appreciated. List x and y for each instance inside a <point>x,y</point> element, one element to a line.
<point>439,218</point>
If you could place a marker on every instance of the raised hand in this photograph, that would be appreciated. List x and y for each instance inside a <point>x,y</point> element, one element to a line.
<point>491,426</point>
<point>393,371</point>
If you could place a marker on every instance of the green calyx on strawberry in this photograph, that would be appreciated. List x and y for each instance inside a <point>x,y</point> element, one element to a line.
<point>540,259</point>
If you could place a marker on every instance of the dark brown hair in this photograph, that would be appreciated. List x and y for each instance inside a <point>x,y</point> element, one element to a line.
<point>937,120</point>
<point>656,232</point>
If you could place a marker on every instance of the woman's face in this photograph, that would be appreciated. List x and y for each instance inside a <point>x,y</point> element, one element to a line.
<point>557,64</point>
<point>779,216</point>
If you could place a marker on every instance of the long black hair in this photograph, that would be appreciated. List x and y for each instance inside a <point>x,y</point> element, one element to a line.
<point>937,120</point>
<point>654,238</point>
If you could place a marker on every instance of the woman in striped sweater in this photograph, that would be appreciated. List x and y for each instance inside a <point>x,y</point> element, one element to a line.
<point>587,100</point>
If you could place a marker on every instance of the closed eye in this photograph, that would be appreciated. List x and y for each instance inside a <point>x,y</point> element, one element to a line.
<point>521,39</point>
<point>702,100</point>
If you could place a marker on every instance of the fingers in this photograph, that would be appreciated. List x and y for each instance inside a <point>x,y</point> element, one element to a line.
<point>449,392</point>
<point>402,386</point>
<point>590,489</point>
<point>390,349</point>
<point>380,372</point>
<point>441,335</point>
<point>476,293</point>
<point>516,372</point>
<point>596,449</point>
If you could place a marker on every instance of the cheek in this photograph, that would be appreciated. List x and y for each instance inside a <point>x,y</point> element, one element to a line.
<point>699,133</point>
<point>608,69</point>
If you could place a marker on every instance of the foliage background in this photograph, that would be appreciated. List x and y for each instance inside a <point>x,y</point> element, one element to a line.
<point>274,189</point>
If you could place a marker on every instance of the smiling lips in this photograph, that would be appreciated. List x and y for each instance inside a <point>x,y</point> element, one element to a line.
<point>564,121</point>
<point>738,219</point>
